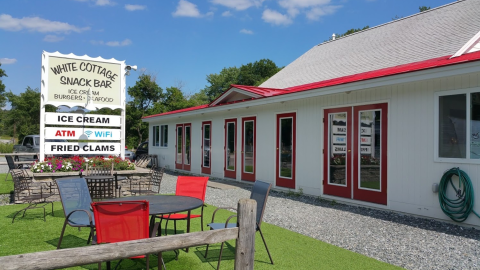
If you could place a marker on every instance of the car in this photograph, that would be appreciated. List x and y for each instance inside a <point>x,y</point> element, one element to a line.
<point>142,149</point>
<point>129,155</point>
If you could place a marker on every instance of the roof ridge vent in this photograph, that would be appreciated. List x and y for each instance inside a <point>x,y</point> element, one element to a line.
<point>333,36</point>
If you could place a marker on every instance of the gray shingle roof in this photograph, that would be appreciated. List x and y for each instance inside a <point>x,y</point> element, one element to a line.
<point>434,33</point>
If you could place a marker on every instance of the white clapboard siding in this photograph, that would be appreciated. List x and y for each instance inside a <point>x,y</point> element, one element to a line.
<point>411,166</point>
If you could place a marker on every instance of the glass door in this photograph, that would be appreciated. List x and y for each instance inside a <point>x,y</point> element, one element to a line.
<point>230,167</point>
<point>206,146</point>
<point>183,147</point>
<point>286,133</point>
<point>248,148</point>
<point>370,170</point>
<point>355,152</point>
<point>337,154</point>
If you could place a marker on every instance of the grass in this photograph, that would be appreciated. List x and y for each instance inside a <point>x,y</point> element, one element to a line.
<point>6,186</point>
<point>6,148</point>
<point>289,250</point>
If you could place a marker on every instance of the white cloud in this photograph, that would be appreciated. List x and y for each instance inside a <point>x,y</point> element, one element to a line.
<point>227,13</point>
<point>134,7</point>
<point>238,4</point>
<point>246,31</point>
<point>36,24</point>
<point>315,13</point>
<point>186,9</point>
<point>125,42</point>
<point>275,17</point>
<point>8,61</point>
<point>52,38</point>
<point>104,3</point>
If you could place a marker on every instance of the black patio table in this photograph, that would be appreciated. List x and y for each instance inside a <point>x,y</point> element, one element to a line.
<point>166,204</point>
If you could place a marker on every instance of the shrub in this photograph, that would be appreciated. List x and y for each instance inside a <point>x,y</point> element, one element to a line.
<point>75,164</point>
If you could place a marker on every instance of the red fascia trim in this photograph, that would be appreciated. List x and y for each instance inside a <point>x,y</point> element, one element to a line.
<point>416,66</point>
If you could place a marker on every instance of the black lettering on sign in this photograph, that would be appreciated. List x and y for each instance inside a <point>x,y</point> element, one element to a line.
<point>96,93</point>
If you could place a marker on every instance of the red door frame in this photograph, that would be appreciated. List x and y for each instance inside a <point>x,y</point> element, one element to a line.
<point>230,173</point>
<point>373,196</point>
<point>249,176</point>
<point>282,181</point>
<point>181,165</point>
<point>332,189</point>
<point>207,170</point>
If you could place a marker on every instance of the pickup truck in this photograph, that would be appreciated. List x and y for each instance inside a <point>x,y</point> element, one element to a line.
<point>31,144</point>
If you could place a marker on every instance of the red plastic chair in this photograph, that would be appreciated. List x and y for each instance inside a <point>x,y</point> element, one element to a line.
<point>191,186</point>
<point>122,221</point>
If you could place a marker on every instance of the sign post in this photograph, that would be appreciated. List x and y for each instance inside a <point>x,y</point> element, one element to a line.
<point>91,83</point>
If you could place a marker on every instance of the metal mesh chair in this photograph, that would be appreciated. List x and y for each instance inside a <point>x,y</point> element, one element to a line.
<point>11,166</point>
<point>76,201</point>
<point>102,187</point>
<point>23,187</point>
<point>191,186</point>
<point>259,193</point>
<point>150,186</point>
<point>122,221</point>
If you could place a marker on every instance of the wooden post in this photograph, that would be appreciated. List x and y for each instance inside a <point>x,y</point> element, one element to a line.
<point>245,247</point>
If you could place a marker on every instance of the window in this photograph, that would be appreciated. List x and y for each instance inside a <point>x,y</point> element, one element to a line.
<point>160,136</point>
<point>459,125</point>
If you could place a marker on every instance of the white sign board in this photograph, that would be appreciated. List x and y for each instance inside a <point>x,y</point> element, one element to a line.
<point>366,140</point>
<point>339,139</point>
<point>339,149</point>
<point>365,149</point>
<point>365,131</point>
<point>82,148</point>
<point>77,119</point>
<point>339,130</point>
<point>78,80</point>
<point>82,133</point>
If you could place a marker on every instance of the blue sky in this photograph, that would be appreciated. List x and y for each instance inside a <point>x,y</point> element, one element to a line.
<point>179,41</point>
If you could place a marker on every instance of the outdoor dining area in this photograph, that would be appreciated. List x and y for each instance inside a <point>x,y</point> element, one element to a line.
<point>92,201</point>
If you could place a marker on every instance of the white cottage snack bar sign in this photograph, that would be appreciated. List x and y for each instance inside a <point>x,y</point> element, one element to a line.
<point>81,80</point>
<point>91,83</point>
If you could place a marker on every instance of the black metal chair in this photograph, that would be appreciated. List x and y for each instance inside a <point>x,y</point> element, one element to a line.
<point>23,188</point>
<point>102,188</point>
<point>150,186</point>
<point>11,166</point>
<point>259,193</point>
<point>76,202</point>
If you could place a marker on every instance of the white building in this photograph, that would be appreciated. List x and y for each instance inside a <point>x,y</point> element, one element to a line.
<point>374,118</point>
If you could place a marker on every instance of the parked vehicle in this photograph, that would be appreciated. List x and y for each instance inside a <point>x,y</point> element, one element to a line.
<point>142,149</point>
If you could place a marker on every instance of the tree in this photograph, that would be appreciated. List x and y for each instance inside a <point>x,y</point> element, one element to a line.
<point>3,98</point>
<point>145,93</point>
<point>423,8</point>
<point>252,74</point>
<point>25,112</point>
<point>350,31</point>
<point>221,82</point>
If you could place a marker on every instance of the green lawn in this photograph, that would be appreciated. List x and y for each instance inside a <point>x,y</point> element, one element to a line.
<point>289,250</point>
<point>6,186</point>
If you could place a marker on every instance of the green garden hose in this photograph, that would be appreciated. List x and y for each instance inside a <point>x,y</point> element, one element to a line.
<point>457,209</point>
